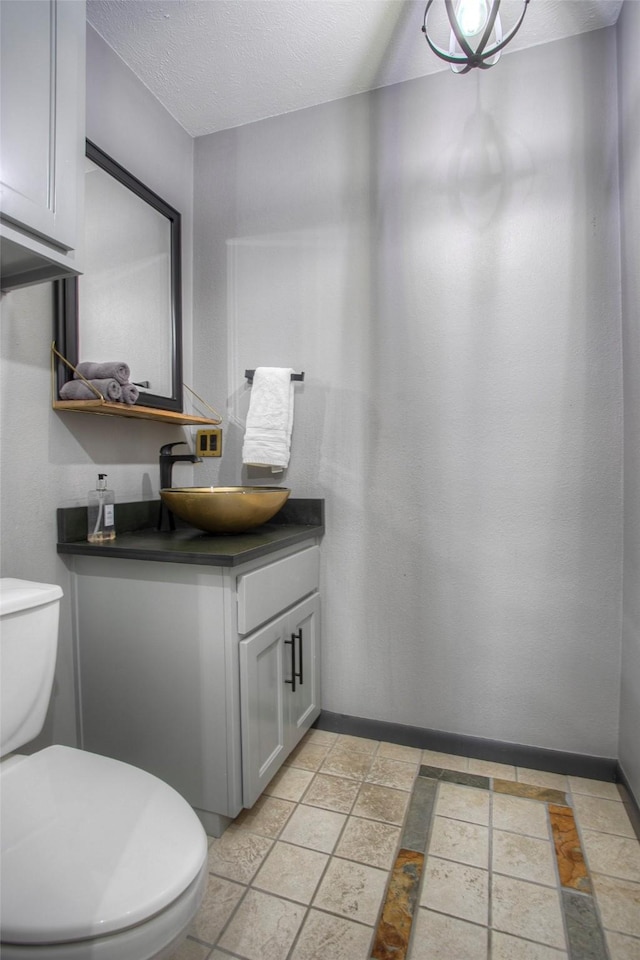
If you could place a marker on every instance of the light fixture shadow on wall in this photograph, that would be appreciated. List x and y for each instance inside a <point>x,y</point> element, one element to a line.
<point>476,36</point>
<point>489,167</point>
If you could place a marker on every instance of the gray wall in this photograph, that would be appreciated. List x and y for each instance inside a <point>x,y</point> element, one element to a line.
<point>629,73</point>
<point>50,460</point>
<point>441,257</point>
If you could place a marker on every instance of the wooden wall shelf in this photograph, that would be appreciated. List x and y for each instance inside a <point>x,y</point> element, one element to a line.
<point>133,411</point>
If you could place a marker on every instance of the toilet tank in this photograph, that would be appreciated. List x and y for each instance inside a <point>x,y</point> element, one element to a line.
<point>29,614</point>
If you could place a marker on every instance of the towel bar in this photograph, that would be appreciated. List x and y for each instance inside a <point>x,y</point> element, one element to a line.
<point>294,376</point>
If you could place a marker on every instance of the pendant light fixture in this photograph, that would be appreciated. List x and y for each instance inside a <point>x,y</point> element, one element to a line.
<point>476,38</point>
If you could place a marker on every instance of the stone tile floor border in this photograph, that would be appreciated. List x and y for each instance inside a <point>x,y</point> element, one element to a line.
<point>571,863</point>
<point>394,927</point>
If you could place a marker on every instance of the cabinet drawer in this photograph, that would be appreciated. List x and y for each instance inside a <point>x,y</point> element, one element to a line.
<point>265,592</point>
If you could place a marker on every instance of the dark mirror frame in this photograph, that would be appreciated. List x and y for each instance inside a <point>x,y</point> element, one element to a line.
<point>67,319</point>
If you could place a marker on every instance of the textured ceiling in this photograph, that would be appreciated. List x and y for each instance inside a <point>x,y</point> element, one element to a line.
<point>216,64</point>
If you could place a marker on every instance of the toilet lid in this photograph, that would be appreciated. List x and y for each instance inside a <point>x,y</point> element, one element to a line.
<point>18,595</point>
<point>90,846</point>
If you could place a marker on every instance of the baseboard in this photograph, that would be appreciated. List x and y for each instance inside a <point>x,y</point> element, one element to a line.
<point>629,799</point>
<point>521,755</point>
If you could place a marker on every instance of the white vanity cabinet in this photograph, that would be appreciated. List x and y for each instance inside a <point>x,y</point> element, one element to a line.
<point>205,676</point>
<point>42,65</point>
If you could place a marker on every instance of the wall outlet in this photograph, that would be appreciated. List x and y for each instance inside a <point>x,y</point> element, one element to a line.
<point>209,443</point>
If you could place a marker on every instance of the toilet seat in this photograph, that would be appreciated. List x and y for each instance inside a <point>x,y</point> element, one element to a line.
<point>86,849</point>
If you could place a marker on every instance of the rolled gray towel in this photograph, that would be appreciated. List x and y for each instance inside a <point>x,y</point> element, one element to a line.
<point>104,371</point>
<point>130,393</point>
<point>79,390</point>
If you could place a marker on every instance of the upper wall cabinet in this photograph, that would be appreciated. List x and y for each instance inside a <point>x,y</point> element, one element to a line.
<point>42,83</point>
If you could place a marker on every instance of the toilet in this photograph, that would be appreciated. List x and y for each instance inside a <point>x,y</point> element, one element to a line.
<point>100,860</point>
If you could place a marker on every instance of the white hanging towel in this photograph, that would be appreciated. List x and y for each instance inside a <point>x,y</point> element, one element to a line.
<point>267,438</point>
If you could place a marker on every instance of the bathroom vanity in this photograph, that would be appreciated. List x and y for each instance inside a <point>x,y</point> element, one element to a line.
<point>198,655</point>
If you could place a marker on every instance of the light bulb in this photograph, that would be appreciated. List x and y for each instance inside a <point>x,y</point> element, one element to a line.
<point>472,16</point>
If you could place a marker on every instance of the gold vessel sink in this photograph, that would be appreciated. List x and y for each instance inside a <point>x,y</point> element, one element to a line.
<point>225,509</point>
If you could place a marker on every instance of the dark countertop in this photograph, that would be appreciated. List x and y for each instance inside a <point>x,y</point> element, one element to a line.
<point>137,538</point>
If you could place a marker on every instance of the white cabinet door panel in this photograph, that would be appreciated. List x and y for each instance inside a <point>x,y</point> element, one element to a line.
<point>279,692</point>
<point>28,109</point>
<point>42,61</point>
<point>262,695</point>
<point>304,704</point>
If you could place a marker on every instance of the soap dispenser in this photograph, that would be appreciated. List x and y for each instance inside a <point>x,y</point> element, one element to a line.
<point>101,513</point>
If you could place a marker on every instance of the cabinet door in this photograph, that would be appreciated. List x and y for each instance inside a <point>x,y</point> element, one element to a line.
<point>302,644</point>
<point>41,135</point>
<point>262,707</point>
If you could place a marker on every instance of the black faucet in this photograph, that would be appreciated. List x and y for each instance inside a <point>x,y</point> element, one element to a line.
<point>166,519</point>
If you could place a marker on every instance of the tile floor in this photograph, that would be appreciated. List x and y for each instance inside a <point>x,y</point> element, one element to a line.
<point>360,849</point>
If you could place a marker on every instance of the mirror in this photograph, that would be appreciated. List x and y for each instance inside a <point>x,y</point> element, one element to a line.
<point>127,305</point>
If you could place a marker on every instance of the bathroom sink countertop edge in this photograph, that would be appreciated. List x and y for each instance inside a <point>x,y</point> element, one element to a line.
<point>298,520</point>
